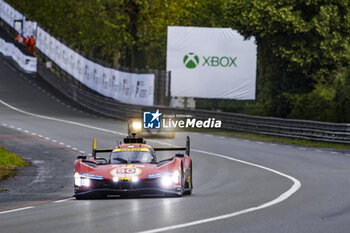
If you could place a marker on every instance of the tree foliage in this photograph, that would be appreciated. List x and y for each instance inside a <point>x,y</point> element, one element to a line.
<point>300,44</point>
<point>126,32</point>
<point>95,27</point>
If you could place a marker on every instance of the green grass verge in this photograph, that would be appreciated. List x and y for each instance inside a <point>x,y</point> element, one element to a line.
<point>9,163</point>
<point>260,137</point>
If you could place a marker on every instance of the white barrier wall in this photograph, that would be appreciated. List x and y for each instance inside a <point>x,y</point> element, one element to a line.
<point>9,14</point>
<point>122,86</point>
<point>27,63</point>
<point>29,28</point>
<point>125,87</point>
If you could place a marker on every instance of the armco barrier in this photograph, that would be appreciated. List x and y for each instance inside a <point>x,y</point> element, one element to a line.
<point>301,129</point>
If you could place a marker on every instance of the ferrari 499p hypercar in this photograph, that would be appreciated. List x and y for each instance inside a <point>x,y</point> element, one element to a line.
<point>132,168</point>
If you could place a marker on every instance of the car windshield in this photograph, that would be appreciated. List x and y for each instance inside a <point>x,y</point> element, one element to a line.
<point>119,157</point>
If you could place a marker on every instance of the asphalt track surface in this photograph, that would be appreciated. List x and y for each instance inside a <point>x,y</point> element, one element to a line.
<point>239,185</point>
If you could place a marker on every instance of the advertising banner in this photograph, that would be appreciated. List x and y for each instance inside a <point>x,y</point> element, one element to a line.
<point>39,43</point>
<point>2,7</point>
<point>122,86</point>
<point>7,49</point>
<point>97,79</point>
<point>211,63</point>
<point>103,86</point>
<point>125,82</point>
<point>79,68</point>
<point>27,63</point>
<point>9,14</point>
<point>5,12</point>
<point>142,89</point>
<point>51,47</point>
<point>71,62</point>
<point>2,43</point>
<point>57,51</point>
<point>64,57</point>
<point>88,73</point>
<point>16,55</point>
<point>117,86</point>
<point>29,28</point>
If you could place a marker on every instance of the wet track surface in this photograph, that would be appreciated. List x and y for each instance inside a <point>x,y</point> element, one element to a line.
<point>221,185</point>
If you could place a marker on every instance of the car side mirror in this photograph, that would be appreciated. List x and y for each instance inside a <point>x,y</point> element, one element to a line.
<point>81,157</point>
<point>179,155</point>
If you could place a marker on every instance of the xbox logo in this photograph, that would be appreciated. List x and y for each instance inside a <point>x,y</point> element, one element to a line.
<point>191,60</point>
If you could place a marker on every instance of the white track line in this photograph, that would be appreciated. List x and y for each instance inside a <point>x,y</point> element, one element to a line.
<point>46,138</point>
<point>60,120</point>
<point>296,185</point>
<point>63,200</point>
<point>294,188</point>
<point>14,210</point>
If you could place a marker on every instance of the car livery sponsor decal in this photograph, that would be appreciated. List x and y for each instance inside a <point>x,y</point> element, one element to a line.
<point>92,176</point>
<point>157,175</point>
<point>130,149</point>
<point>154,175</point>
<point>125,172</point>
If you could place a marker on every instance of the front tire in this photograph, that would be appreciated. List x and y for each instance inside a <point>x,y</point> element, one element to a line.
<point>81,197</point>
<point>181,192</point>
<point>189,185</point>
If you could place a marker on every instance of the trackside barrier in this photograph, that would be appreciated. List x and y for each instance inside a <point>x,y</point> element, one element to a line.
<point>133,86</point>
<point>87,98</point>
<point>73,89</point>
<point>300,129</point>
<point>25,62</point>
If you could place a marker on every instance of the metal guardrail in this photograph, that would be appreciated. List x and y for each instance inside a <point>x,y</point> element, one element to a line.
<point>300,129</point>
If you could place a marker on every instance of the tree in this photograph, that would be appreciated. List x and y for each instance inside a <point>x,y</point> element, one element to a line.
<point>300,44</point>
<point>156,15</point>
<point>130,33</point>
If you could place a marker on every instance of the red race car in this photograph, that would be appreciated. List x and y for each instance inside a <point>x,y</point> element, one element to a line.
<point>132,168</point>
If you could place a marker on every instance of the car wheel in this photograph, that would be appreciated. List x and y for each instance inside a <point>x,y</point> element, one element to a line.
<point>81,197</point>
<point>189,184</point>
<point>181,192</point>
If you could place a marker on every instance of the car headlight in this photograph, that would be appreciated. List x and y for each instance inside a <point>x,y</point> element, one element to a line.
<point>80,181</point>
<point>115,179</point>
<point>77,180</point>
<point>134,179</point>
<point>167,181</point>
<point>136,125</point>
<point>176,177</point>
<point>171,179</point>
<point>85,182</point>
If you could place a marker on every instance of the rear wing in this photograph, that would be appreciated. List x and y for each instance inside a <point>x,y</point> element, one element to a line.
<point>95,151</point>
<point>187,148</point>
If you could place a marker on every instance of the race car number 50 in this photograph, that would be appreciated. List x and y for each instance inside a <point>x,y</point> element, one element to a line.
<point>126,172</point>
